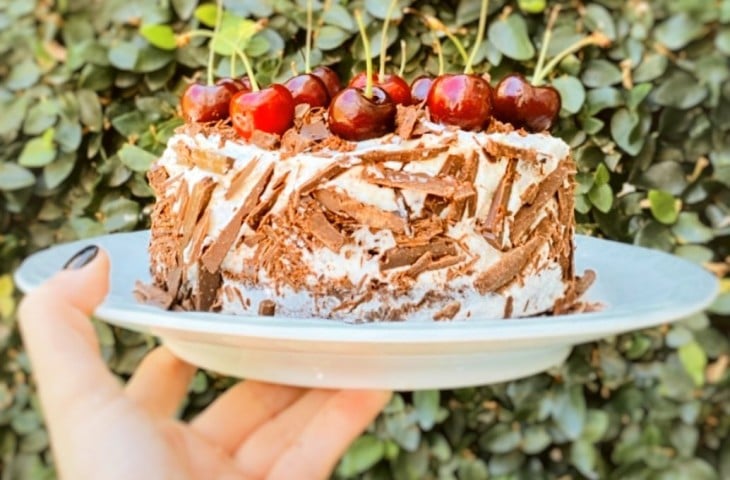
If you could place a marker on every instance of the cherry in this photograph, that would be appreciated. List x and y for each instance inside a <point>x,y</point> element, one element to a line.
<point>464,100</point>
<point>396,88</point>
<point>308,88</point>
<point>235,85</point>
<point>330,79</point>
<point>206,103</point>
<point>270,110</point>
<point>523,105</point>
<point>353,116</point>
<point>420,87</point>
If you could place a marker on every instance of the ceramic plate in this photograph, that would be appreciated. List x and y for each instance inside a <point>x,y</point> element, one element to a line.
<point>638,287</point>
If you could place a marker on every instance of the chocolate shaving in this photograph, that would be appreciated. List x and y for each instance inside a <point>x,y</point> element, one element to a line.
<point>267,308</point>
<point>213,257</point>
<point>404,156</point>
<point>364,214</point>
<point>443,186</point>
<point>157,176</point>
<point>153,295</point>
<point>199,199</point>
<point>199,234</point>
<point>211,161</point>
<point>318,225</point>
<point>315,131</point>
<point>420,265</point>
<point>405,120</point>
<point>508,307</point>
<point>293,143</point>
<point>493,226</point>
<point>526,216</point>
<point>265,140</point>
<point>265,205</point>
<point>497,149</point>
<point>328,173</point>
<point>402,256</point>
<point>448,312</point>
<point>239,179</point>
<point>507,268</point>
<point>208,285</point>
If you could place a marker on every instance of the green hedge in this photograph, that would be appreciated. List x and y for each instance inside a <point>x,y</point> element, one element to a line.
<point>86,103</point>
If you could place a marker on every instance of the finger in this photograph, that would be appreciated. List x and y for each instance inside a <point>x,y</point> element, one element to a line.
<point>261,449</point>
<point>160,383</point>
<point>241,410</point>
<point>328,434</point>
<point>61,342</point>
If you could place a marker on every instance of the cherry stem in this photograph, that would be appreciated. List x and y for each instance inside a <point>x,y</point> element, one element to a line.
<point>384,37</point>
<point>236,50</point>
<point>439,53</point>
<point>480,36</point>
<point>211,50</point>
<point>233,65</point>
<point>402,58</point>
<point>435,25</point>
<point>547,37</point>
<point>368,59</point>
<point>308,47</point>
<point>596,38</point>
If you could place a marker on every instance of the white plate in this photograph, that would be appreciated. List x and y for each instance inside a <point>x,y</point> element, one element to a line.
<point>639,288</point>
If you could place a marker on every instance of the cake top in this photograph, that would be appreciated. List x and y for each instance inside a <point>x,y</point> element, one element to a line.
<point>376,104</point>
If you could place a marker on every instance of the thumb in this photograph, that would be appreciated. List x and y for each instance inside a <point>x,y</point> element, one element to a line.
<point>60,339</point>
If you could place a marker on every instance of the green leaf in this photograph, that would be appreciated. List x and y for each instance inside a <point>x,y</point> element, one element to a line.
<point>124,55</point>
<point>678,30</point>
<point>426,403</point>
<point>511,38</point>
<point>663,206</point>
<point>597,423</point>
<point>184,8</point>
<point>569,411</point>
<point>13,115</point>
<point>25,422</point>
<point>55,173</point>
<point>694,360</point>
<point>15,177</point>
<point>572,93</point>
<point>624,131</point>
<point>722,41</point>
<point>602,175</point>
<point>681,90</point>
<point>379,9</point>
<point>598,19</point>
<point>234,31</point>
<point>689,229</point>
<point>600,99</point>
<point>601,196</point>
<point>535,439</point>
<point>532,6</point>
<point>161,36</point>
<point>364,452</point>
<point>501,438</point>
<point>329,37</point>
<point>600,73</point>
<point>137,159</point>
<point>23,75</point>
<point>90,110</point>
<point>206,14</point>
<point>120,214</point>
<point>39,151</point>
<point>637,95</point>
<point>652,67</point>
<point>583,456</point>
<point>339,16</point>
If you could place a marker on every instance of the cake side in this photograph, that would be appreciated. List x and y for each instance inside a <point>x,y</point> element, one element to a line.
<point>447,224</point>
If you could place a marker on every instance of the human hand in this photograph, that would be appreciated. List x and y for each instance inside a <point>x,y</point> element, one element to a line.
<point>102,430</point>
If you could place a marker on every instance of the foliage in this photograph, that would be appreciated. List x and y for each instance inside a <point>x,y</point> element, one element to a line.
<point>88,92</point>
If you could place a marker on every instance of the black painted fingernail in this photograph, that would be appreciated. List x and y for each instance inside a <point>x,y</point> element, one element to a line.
<point>82,258</point>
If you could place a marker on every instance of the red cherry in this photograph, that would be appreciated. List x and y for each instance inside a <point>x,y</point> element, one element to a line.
<point>355,117</point>
<point>205,103</point>
<point>235,85</point>
<point>420,87</point>
<point>269,109</point>
<point>330,79</point>
<point>463,100</point>
<point>308,88</point>
<point>396,88</point>
<point>523,105</point>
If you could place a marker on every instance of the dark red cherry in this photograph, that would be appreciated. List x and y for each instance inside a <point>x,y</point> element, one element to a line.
<point>355,117</point>
<point>396,88</point>
<point>463,100</point>
<point>523,105</point>
<point>308,88</point>
<point>420,87</point>
<point>541,113</point>
<point>205,103</point>
<point>235,85</point>
<point>270,110</point>
<point>330,79</point>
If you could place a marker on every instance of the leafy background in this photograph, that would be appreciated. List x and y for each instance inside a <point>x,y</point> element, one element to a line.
<point>87,102</point>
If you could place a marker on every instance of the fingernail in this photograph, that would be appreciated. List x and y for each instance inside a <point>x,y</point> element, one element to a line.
<point>81,258</point>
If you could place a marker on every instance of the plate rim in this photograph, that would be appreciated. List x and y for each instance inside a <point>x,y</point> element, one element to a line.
<point>422,332</point>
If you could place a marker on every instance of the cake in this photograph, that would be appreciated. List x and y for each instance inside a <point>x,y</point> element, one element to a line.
<point>427,223</point>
